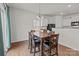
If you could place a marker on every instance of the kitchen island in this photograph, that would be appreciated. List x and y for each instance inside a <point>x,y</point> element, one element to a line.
<point>68,37</point>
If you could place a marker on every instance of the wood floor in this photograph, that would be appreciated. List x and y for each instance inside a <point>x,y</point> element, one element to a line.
<point>21,49</point>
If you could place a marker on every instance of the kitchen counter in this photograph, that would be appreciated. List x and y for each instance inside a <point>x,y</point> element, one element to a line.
<point>68,37</point>
<point>71,27</point>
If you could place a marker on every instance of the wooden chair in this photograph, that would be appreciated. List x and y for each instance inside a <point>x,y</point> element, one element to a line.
<point>50,45</point>
<point>30,42</point>
<point>34,42</point>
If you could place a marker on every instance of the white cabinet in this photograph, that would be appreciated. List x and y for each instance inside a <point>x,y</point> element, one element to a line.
<point>51,20</point>
<point>58,21</point>
<point>66,22</point>
<point>70,18</point>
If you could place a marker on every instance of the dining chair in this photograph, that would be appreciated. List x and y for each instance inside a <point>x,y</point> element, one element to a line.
<point>50,45</point>
<point>30,41</point>
<point>34,42</point>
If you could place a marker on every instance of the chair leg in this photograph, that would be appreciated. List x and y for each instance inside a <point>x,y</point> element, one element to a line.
<point>43,49</point>
<point>57,51</point>
<point>29,44</point>
<point>31,48</point>
<point>49,51</point>
<point>34,50</point>
<point>39,48</point>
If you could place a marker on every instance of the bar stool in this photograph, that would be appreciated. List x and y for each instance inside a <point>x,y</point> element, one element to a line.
<point>50,45</point>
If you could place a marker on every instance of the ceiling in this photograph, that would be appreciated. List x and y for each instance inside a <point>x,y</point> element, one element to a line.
<point>48,8</point>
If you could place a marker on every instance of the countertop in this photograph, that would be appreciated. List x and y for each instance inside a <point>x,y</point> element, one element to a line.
<point>68,27</point>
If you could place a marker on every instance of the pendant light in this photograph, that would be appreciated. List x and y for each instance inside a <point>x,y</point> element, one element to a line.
<point>39,19</point>
<point>39,16</point>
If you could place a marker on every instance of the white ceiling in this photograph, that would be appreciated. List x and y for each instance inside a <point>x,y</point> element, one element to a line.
<point>48,8</point>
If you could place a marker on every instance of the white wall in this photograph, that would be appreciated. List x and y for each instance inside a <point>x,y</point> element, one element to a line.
<point>21,24</point>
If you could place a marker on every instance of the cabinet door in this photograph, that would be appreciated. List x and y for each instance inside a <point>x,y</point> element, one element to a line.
<point>1,39</point>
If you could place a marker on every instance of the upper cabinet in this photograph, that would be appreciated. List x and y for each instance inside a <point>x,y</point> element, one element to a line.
<point>70,18</point>
<point>58,21</point>
<point>51,20</point>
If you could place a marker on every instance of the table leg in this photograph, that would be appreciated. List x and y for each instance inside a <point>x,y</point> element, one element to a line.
<point>41,47</point>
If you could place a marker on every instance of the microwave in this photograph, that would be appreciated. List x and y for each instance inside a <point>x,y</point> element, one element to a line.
<point>75,23</point>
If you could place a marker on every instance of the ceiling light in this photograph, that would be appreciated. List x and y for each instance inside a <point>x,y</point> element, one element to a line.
<point>69,5</point>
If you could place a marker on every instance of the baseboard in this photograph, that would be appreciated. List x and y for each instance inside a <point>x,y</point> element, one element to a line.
<point>19,40</point>
<point>69,46</point>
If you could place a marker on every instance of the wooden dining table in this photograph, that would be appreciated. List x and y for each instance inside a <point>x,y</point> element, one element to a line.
<point>42,36</point>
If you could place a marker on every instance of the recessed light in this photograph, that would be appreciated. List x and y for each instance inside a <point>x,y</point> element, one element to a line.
<point>69,5</point>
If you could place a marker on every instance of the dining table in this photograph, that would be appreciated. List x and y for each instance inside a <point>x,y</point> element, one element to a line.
<point>42,36</point>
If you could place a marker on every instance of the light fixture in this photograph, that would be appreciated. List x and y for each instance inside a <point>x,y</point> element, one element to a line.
<point>39,21</point>
<point>39,16</point>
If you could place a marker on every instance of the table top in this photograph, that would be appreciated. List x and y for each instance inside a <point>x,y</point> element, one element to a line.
<point>42,34</point>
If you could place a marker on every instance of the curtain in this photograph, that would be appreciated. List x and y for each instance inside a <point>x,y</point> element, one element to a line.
<point>5,18</point>
<point>1,38</point>
<point>8,27</point>
<point>8,35</point>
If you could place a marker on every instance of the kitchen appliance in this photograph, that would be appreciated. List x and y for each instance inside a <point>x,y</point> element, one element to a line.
<point>75,23</point>
<point>50,26</point>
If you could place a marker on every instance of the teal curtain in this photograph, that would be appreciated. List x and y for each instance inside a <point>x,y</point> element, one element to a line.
<point>8,28</point>
<point>8,32</point>
<point>1,39</point>
<point>8,15</point>
<point>8,38</point>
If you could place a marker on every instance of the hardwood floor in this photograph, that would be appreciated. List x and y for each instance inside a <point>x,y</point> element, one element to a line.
<point>21,49</point>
